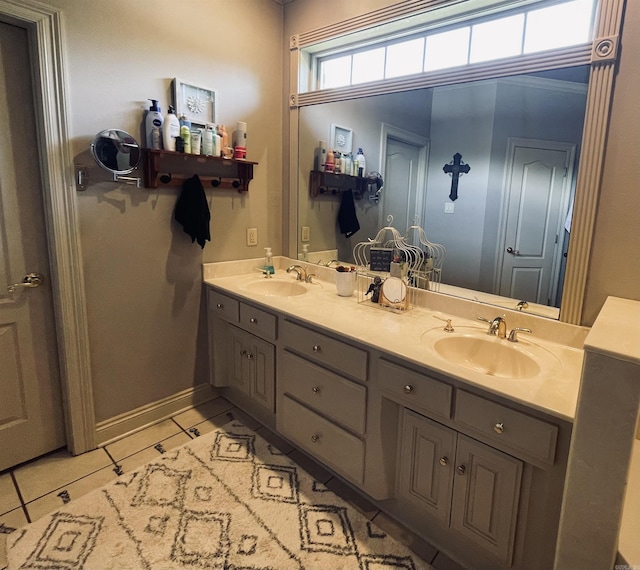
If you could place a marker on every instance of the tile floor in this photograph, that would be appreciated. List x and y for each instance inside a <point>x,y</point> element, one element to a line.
<point>34,489</point>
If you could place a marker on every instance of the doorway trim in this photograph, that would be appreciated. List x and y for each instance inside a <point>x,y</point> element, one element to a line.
<point>568,184</point>
<point>45,31</point>
<point>388,131</point>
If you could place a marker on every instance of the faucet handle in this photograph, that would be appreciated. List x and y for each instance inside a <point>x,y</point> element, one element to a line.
<point>309,277</point>
<point>513,335</point>
<point>484,320</point>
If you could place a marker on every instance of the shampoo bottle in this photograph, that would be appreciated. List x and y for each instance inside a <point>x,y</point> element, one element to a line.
<point>185,133</point>
<point>361,163</point>
<point>153,120</point>
<point>207,140</point>
<point>171,129</point>
<point>268,261</point>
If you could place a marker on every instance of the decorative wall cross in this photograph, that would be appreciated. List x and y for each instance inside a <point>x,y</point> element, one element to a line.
<point>455,168</point>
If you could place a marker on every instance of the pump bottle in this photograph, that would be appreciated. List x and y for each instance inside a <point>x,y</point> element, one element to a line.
<point>268,261</point>
<point>171,129</point>
<point>153,120</point>
<point>361,163</point>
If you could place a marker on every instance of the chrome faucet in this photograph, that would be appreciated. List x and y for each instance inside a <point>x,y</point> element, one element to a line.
<point>497,326</point>
<point>301,273</point>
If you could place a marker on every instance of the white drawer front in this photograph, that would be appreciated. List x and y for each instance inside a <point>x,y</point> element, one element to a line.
<point>258,321</point>
<point>330,394</point>
<point>525,436</point>
<point>341,451</point>
<point>223,306</point>
<point>325,350</point>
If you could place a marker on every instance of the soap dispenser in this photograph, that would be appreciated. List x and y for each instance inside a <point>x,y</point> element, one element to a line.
<point>171,130</point>
<point>153,125</point>
<point>268,262</point>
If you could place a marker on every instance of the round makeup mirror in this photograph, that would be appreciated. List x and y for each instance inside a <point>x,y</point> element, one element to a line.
<point>116,151</point>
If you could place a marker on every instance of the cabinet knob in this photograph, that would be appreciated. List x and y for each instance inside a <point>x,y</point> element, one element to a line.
<point>499,427</point>
<point>315,390</point>
<point>243,353</point>
<point>408,389</point>
<point>315,438</point>
<point>253,320</point>
<point>317,348</point>
<point>219,306</point>
<point>444,461</point>
<point>249,356</point>
<point>461,469</point>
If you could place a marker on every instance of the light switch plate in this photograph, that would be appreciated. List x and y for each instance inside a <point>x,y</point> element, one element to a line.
<point>448,207</point>
<point>306,234</point>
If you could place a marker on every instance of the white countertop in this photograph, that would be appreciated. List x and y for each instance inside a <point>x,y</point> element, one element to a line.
<point>553,391</point>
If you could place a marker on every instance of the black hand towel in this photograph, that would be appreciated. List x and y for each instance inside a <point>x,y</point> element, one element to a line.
<point>192,211</point>
<point>347,219</point>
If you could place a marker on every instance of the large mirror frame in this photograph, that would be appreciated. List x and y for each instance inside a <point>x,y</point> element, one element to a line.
<point>601,55</point>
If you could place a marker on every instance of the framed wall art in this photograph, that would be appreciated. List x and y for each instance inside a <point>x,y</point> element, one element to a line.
<point>198,104</point>
<point>341,138</point>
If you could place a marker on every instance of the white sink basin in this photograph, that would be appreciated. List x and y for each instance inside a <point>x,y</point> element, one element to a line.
<point>276,288</point>
<point>490,355</point>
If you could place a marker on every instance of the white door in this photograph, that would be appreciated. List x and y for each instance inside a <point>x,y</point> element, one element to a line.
<point>538,187</point>
<point>404,174</point>
<point>31,419</point>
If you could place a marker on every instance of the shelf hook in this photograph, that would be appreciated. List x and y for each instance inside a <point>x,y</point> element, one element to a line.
<point>165,178</point>
<point>216,182</point>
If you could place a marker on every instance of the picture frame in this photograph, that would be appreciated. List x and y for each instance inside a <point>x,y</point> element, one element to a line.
<point>197,103</point>
<point>341,139</point>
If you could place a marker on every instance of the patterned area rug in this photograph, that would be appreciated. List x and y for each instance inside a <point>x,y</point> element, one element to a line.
<point>227,500</point>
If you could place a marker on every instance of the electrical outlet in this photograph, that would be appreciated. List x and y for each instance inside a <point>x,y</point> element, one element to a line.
<point>448,207</point>
<point>252,236</point>
<point>306,234</point>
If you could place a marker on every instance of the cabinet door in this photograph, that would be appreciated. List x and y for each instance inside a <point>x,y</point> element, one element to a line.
<point>486,492</point>
<point>240,372</point>
<point>426,462</point>
<point>261,356</point>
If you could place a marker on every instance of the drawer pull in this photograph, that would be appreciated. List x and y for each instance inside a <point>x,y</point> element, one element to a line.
<point>461,469</point>
<point>219,306</point>
<point>243,353</point>
<point>249,356</point>
<point>499,427</point>
<point>315,390</point>
<point>444,461</point>
<point>315,438</point>
<point>408,389</point>
<point>317,348</point>
<point>253,321</point>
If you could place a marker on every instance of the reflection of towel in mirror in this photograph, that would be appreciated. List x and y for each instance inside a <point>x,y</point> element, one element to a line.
<point>347,219</point>
<point>192,211</point>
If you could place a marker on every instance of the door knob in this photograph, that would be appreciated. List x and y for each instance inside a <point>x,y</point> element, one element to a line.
<point>512,251</point>
<point>29,281</point>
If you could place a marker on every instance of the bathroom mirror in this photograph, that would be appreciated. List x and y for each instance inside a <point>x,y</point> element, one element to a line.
<point>509,130</point>
<point>597,58</point>
<point>116,151</point>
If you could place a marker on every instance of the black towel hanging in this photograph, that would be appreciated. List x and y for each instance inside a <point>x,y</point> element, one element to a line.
<point>347,218</point>
<point>192,211</point>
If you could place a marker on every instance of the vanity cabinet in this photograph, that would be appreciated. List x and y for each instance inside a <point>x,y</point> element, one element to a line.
<point>319,409</point>
<point>465,484</point>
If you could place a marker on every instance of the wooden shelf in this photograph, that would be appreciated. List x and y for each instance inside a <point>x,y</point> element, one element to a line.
<point>330,184</point>
<point>168,168</point>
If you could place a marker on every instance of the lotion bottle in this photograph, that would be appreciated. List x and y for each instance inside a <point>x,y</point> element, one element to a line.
<point>171,129</point>
<point>268,261</point>
<point>361,163</point>
<point>185,133</point>
<point>153,120</point>
<point>207,140</point>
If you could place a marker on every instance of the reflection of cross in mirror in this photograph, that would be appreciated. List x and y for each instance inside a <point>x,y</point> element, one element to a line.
<point>455,168</point>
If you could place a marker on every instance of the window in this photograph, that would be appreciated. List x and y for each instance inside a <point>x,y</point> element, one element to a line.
<point>555,25</point>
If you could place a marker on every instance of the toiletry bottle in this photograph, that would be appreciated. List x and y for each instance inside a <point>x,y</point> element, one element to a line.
<point>268,261</point>
<point>240,149</point>
<point>304,256</point>
<point>337,161</point>
<point>207,140</point>
<point>196,141</point>
<point>153,119</point>
<point>156,138</point>
<point>361,162</point>
<point>217,142</point>
<point>170,129</point>
<point>328,165</point>
<point>185,133</point>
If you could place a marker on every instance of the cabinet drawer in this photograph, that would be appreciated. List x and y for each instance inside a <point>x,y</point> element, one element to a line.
<point>515,431</point>
<point>325,350</point>
<point>327,442</point>
<point>258,321</point>
<point>330,394</point>
<point>223,306</point>
<point>415,390</point>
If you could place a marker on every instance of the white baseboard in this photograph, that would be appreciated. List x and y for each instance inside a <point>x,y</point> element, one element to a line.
<point>144,416</point>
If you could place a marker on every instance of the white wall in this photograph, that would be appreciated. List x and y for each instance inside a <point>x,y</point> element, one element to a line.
<point>143,275</point>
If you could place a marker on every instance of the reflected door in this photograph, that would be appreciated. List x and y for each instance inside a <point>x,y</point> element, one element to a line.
<point>31,419</point>
<point>538,189</point>
<point>401,196</point>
